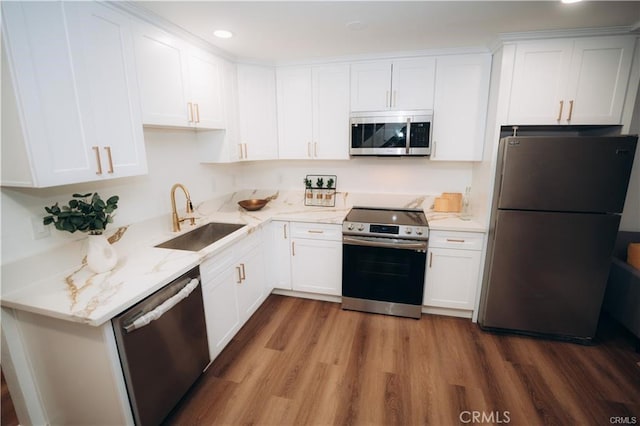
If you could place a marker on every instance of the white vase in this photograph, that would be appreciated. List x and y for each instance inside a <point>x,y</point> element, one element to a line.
<point>101,256</point>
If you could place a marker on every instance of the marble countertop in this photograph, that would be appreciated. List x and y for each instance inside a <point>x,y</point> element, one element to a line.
<point>63,287</point>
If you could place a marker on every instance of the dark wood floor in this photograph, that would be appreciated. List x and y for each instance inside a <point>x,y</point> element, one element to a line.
<point>305,362</point>
<point>8,415</point>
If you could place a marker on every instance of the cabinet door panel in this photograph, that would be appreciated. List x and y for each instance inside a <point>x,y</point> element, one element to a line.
<point>251,289</point>
<point>102,49</point>
<point>278,256</point>
<point>451,278</point>
<point>462,91</point>
<point>221,310</point>
<point>539,79</point>
<point>316,266</point>
<point>206,93</point>
<point>370,86</point>
<point>45,91</point>
<point>294,97</point>
<point>257,112</point>
<point>413,83</point>
<point>331,112</point>
<point>598,79</point>
<point>162,78</point>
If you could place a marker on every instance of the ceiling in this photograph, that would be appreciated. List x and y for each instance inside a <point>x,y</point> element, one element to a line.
<point>306,30</point>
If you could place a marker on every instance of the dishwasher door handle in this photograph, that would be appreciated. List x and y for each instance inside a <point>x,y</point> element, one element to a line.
<point>163,307</point>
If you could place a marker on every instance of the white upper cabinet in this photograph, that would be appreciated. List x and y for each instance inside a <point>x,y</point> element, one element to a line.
<point>257,113</point>
<point>180,84</point>
<point>402,84</point>
<point>571,81</point>
<point>313,112</point>
<point>73,108</point>
<point>460,107</point>
<point>295,115</point>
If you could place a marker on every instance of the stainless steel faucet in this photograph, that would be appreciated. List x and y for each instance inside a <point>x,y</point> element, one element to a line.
<point>174,211</point>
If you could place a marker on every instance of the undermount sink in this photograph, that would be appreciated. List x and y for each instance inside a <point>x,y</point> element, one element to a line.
<point>201,237</point>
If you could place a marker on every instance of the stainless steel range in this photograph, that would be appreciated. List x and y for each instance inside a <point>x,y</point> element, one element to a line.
<point>383,260</point>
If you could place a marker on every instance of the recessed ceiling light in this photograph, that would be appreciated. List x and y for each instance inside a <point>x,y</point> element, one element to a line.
<point>223,34</point>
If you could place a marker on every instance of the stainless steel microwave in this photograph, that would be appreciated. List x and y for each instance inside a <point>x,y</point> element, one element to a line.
<point>391,133</point>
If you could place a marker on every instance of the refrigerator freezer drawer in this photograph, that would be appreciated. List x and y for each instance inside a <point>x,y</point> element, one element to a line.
<point>548,272</point>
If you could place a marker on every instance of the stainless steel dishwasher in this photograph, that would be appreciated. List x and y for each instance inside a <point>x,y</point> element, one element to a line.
<point>162,343</point>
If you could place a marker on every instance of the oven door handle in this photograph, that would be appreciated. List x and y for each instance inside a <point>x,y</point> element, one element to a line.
<point>419,246</point>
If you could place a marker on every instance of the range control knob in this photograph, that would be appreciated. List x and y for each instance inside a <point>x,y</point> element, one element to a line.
<point>419,231</point>
<point>361,227</point>
<point>350,227</point>
<point>407,230</point>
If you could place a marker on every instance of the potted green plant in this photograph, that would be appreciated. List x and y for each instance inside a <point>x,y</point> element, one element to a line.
<point>88,213</point>
<point>308,184</point>
<point>329,193</point>
<point>319,191</point>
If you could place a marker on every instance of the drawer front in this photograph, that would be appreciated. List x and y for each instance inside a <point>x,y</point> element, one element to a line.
<point>456,240</point>
<point>316,231</point>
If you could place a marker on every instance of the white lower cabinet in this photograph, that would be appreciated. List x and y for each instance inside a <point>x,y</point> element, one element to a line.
<point>233,289</point>
<point>316,258</point>
<point>278,256</point>
<point>453,269</point>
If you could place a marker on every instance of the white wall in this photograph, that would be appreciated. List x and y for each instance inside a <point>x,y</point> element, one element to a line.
<point>401,175</point>
<point>172,157</point>
<point>631,214</point>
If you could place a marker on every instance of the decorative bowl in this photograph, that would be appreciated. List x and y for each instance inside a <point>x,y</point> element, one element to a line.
<point>253,204</point>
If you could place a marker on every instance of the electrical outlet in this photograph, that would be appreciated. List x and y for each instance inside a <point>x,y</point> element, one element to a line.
<point>39,230</point>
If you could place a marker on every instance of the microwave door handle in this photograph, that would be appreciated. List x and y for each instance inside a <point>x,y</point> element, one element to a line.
<point>408,135</point>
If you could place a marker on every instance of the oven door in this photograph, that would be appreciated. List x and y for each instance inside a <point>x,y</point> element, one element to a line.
<point>383,269</point>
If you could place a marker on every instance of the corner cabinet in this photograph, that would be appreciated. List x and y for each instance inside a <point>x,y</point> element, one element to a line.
<point>279,255</point>
<point>402,84</point>
<point>313,112</point>
<point>460,107</point>
<point>180,84</point>
<point>571,81</point>
<point>257,119</point>
<point>233,287</point>
<point>70,101</point>
<point>453,269</point>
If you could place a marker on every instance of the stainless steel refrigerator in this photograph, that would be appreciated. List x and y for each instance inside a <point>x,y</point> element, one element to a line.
<point>554,220</point>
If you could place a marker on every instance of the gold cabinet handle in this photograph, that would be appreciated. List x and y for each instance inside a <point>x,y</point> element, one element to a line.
<point>315,149</point>
<point>197,108</point>
<point>97,150</point>
<point>108,149</point>
<point>243,276</point>
<point>313,231</point>
<point>570,110</point>
<point>560,112</point>
<point>190,109</point>
<point>430,259</point>
<point>454,240</point>
<point>241,153</point>
<point>293,248</point>
<point>387,100</point>
<point>284,228</point>
<point>246,152</point>
<point>239,275</point>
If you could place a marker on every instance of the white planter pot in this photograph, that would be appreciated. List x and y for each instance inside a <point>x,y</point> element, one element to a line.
<point>101,256</point>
